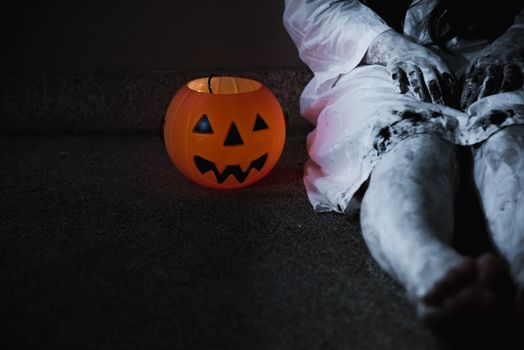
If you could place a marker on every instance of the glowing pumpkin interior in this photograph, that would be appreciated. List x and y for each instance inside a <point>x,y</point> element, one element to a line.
<point>224,132</point>
<point>224,85</point>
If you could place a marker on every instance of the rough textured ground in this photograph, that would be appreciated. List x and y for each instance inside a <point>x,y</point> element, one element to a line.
<point>104,244</point>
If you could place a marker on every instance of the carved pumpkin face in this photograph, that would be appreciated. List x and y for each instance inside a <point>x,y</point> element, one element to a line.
<point>224,132</point>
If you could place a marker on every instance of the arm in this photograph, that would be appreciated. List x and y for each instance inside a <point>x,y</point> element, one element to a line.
<point>332,36</point>
<point>499,68</point>
<point>413,67</point>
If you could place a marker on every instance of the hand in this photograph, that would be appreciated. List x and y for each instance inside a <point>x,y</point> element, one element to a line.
<point>499,68</point>
<point>413,67</point>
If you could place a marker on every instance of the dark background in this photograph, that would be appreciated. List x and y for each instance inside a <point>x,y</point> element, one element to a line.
<point>156,34</point>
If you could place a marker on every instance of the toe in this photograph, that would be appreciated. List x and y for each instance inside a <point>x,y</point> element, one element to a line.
<point>461,314</point>
<point>457,278</point>
<point>494,274</point>
<point>493,271</point>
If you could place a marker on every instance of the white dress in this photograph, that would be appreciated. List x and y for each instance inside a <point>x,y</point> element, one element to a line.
<point>357,114</point>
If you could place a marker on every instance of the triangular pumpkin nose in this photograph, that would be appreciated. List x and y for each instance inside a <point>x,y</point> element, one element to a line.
<point>233,137</point>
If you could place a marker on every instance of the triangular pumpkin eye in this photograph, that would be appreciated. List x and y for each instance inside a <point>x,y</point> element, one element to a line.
<point>203,126</point>
<point>260,124</point>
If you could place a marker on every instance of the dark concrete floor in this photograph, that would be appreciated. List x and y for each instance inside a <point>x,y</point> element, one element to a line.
<point>105,245</point>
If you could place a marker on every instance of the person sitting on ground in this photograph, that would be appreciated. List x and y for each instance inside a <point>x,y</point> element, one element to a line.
<point>398,87</point>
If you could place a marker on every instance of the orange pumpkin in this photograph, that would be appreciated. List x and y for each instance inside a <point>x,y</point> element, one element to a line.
<point>224,132</point>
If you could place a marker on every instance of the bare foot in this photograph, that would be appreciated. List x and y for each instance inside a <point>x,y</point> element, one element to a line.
<point>457,278</point>
<point>473,299</point>
<point>494,274</point>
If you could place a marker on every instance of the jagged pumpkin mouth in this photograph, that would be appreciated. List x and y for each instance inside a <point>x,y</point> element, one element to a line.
<point>204,165</point>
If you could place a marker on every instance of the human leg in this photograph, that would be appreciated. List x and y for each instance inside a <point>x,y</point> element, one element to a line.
<point>407,223</point>
<point>499,176</point>
<point>407,212</point>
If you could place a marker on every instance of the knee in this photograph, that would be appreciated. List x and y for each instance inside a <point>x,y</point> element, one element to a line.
<point>513,134</point>
<point>504,147</point>
<point>423,154</point>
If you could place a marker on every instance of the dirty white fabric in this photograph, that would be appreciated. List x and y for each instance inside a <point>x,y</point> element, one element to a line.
<point>357,114</point>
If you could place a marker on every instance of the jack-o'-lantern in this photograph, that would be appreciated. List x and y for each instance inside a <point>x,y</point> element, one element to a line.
<point>224,132</point>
